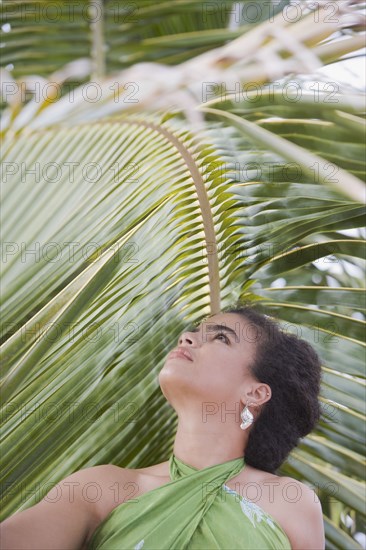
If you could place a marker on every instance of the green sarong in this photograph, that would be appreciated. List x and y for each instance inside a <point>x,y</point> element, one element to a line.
<point>195,510</point>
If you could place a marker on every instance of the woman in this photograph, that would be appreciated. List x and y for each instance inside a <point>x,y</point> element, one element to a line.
<point>244,393</point>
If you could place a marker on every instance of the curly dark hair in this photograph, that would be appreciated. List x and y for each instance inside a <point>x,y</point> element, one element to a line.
<point>291,367</point>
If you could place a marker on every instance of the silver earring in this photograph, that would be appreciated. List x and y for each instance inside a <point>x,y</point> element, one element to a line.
<point>247,418</point>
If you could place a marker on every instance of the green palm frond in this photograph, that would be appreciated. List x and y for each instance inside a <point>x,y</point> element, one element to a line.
<point>119,231</point>
<point>131,32</point>
<point>83,346</point>
<point>256,56</point>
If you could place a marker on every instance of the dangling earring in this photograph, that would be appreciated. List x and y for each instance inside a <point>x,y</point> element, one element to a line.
<point>247,418</point>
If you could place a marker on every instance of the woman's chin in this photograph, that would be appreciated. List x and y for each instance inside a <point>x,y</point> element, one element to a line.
<point>172,374</point>
<point>168,372</point>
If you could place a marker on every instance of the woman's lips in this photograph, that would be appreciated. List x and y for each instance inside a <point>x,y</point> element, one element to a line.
<point>181,354</point>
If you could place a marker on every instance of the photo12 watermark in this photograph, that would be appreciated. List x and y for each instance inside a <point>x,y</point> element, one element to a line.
<point>67,251</point>
<point>71,11</point>
<point>271,491</point>
<point>93,332</point>
<point>50,412</point>
<point>254,92</point>
<point>254,12</point>
<point>89,92</point>
<point>66,172</point>
<point>73,491</point>
<point>230,413</point>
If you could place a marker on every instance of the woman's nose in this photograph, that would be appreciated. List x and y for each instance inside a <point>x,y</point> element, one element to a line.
<point>187,338</point>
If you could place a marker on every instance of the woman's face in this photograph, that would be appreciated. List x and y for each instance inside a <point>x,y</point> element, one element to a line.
<point>221,349</point>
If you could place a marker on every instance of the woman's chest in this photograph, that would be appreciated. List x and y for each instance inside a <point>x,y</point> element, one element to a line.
<point>241,515</point>
<point>125,486</point>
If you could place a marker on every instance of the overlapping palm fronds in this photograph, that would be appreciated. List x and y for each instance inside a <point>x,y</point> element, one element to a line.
<point>120,227</point>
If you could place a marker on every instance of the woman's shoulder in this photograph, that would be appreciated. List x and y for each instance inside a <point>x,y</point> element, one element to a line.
<point>302,515</point>
<point>161,469</point>
<point>107,486</point>
<point>107,476</point>
<point>116,484</point>
<point>102,470</point>
<point>293,504</point>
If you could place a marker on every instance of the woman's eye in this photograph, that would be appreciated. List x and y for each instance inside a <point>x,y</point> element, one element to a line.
<point>223,336</point>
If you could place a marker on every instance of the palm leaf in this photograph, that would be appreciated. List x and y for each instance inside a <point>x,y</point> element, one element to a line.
<point>119,233</point>
<point>82,307</point>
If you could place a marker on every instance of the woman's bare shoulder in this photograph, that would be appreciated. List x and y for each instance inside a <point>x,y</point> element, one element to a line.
<point>292,503</point>
<point>105,486</point>
<point>161,469</point>
<point>302,515</point>
<point>116,484</point>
